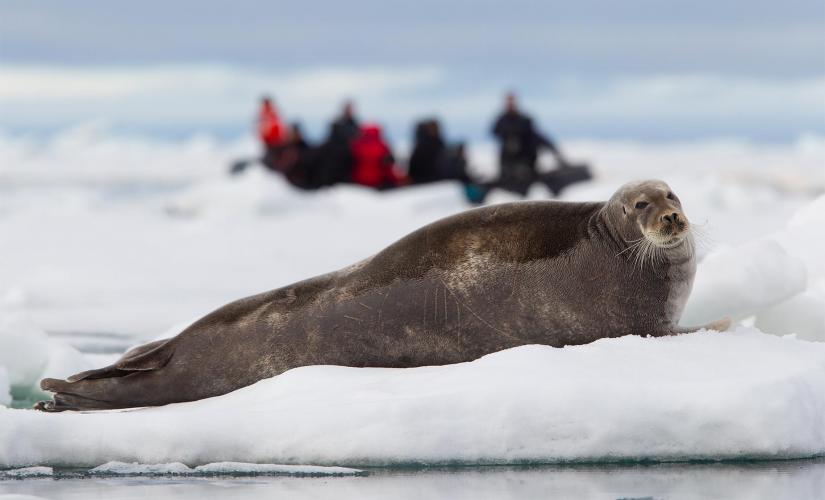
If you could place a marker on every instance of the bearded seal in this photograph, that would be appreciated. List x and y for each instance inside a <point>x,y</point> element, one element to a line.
<point>488,279</point>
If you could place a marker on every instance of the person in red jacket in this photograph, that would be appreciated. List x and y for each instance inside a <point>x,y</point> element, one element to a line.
<point>373,163</point>
<point>272,133</point>
<point>270,127</point>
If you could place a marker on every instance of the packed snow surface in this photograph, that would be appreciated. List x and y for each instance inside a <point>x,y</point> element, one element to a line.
<point>707,395</point>
<point>111,241</point>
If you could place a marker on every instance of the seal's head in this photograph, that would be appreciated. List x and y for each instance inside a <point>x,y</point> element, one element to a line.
<point>649,211</point>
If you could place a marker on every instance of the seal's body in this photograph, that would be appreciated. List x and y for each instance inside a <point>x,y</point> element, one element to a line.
<point>488,279</point>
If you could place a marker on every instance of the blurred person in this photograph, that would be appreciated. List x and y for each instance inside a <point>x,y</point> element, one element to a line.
<point>335,155</point>
<point>297,159</point>
<point>520,144</point>
<point>373,162</point>
<point>270,130</point>
<point>345,127</point>
<point>431,159</point>
<point>428,154</point>
<point>272,134</point>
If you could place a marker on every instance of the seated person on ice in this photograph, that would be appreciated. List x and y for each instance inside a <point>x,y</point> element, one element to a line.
<point>432,160</point>
<point>298,160</point>
<point>271,131</point>
<point>373,162</point>
<point>306,166</point>
<point>334,164</point>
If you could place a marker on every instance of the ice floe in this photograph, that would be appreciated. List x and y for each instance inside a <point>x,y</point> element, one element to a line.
<point>707,395</point>
<point>217,469</point>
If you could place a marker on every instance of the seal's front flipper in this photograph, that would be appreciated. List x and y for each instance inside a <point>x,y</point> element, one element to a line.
<point>720,325</point>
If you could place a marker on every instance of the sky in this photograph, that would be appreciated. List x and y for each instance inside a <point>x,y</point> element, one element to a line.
<point>636,69</point>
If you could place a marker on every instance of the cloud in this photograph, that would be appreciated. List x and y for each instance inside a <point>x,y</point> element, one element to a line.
<point>208,97</point>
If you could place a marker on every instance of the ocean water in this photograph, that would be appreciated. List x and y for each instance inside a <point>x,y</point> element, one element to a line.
<point>797,480</point>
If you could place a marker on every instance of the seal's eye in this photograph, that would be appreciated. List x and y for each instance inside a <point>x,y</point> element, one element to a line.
<point>670,195</point>
<point>641,204</point>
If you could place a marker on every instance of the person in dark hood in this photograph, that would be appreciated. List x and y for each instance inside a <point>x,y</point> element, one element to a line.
<point>432,159</point>
<point>334,156</point>
<point>345,127</point>
<point>428,155</point>
<point>299,160</point>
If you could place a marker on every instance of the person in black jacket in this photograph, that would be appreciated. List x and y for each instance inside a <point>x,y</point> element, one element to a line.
<point>520,143</point>
<point>428,154</point>
<point>432,159</point>
<point>335,158</point>
<point>345,127</point>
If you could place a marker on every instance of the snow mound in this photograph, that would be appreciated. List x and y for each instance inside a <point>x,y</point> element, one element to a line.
<point>27,355</point>
<point>218,469</point>
<point>739,281</point>
<point>26,472</point>
<point>5,387</point>
<point>136,469</point>
<point>802,315</point>
<point>708,395</point>
<point>778,280</point>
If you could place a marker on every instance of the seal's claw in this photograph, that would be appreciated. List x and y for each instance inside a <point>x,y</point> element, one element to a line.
<point>720,325</point>
<point>47,406</point>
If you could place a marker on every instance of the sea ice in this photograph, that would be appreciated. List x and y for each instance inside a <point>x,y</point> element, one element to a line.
<point>802,315</point>
<point>27,354</point>
<point>5,387</point>
<point>27,472</point>
<point>740,281</point>
<point>707,395</point>
<point>115,235</point>
<point>217,469</point>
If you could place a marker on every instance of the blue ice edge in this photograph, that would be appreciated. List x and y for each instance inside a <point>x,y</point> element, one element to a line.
<point>238,469</point>
<point>57,473</point>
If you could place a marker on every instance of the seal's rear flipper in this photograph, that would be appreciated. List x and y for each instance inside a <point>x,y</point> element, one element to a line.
<point>151,356</point>
<point>720,325</point>
<point>64,402</point>
<point>104,388</point>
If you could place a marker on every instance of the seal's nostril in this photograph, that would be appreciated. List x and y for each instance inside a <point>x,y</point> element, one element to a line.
<point>671,218</point>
